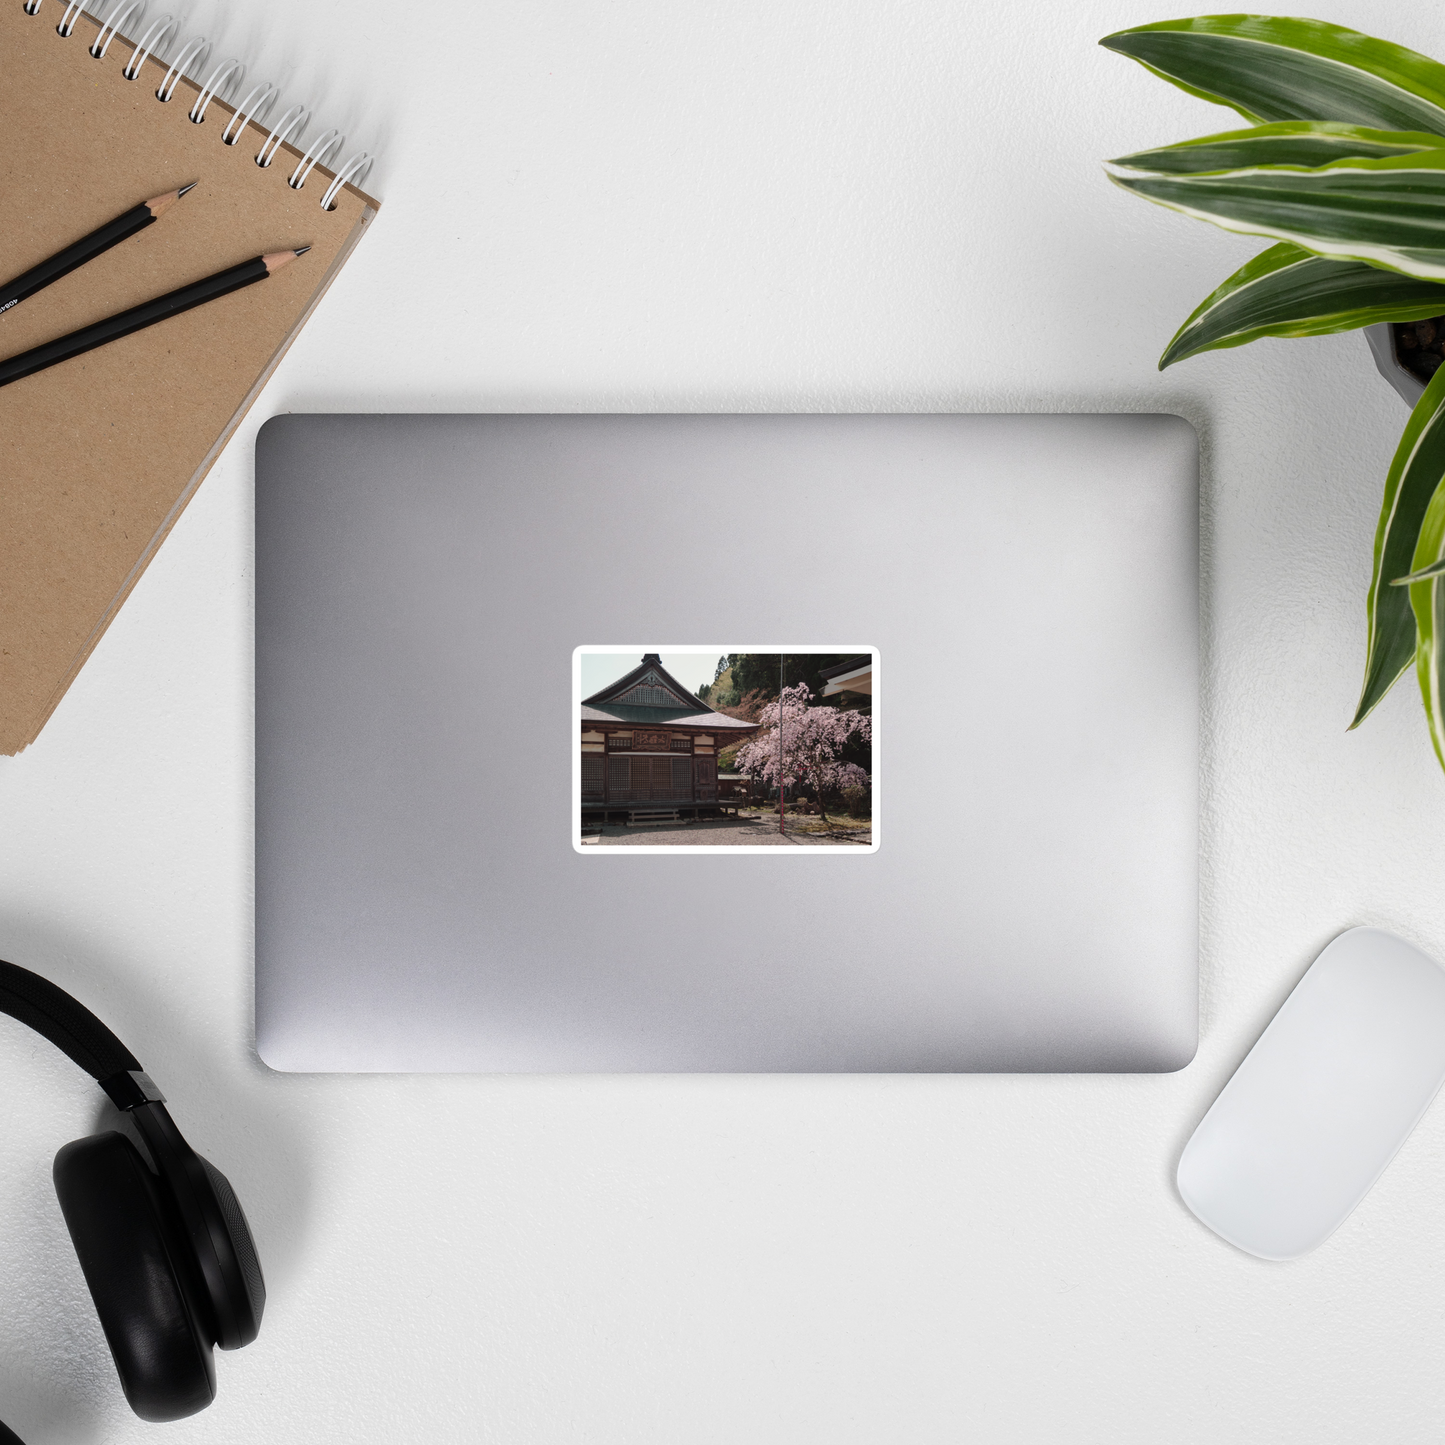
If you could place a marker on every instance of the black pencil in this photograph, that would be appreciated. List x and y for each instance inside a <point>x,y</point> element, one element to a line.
<point>146,314</point>
<point>62,263</point>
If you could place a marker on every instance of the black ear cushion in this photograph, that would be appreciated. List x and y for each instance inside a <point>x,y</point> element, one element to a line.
<point>248,1262</point>
<point>133,1258</point>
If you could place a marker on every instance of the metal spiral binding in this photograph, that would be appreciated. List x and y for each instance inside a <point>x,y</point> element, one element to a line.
<point>156,35</point>
<point>316,154</point>
<point>193,52</point>
<point>354,170</point>
<point>294,120</point>
<point>120,12</point>
<point>227,74</point>
<point>256,106</point>
<point>224,77</point>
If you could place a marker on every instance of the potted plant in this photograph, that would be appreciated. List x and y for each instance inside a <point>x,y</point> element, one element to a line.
<point>1343,166</point>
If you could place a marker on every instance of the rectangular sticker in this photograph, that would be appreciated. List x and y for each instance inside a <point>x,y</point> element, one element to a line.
<point>725,749</point>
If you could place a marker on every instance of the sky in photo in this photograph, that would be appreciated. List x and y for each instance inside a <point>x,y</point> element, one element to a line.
<point>691,669</point>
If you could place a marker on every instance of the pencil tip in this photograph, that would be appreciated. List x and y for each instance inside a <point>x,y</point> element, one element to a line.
<point>159,205</point>
<point>275,260</point>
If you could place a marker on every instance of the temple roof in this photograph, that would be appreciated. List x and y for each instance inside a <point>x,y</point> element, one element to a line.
<point>649,684</point>
<point>650,696</point>
<point>851,665</point>
<point>661,717</point>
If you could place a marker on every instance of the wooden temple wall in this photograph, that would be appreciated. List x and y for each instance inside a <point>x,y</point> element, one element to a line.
<point>648,766</point>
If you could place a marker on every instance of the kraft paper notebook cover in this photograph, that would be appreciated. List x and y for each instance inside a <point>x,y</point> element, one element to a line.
<point>102,452</point>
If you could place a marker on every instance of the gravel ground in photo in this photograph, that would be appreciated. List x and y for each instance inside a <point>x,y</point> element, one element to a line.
<point>722,833</point>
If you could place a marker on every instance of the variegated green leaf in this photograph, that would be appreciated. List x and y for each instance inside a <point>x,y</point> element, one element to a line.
<point>1288,292</point>
<point>1435,569</point>
<point>1427,597</point>
<point>1386,212</point>
<point>1273,68</point>
<point>1414,478</point>
<point>1286,143</point>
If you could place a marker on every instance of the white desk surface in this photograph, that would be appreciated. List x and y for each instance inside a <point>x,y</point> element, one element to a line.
<point>691,206</point>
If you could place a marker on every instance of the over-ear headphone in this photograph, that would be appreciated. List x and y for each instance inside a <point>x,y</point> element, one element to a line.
<point>163,1242</point>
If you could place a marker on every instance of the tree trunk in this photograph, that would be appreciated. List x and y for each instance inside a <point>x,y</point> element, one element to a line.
<point>822,812</point>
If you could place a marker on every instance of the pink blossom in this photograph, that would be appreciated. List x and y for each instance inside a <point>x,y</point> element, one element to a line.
<point>813,737</point>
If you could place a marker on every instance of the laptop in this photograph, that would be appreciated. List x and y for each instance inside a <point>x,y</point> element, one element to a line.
<point>994,618</point>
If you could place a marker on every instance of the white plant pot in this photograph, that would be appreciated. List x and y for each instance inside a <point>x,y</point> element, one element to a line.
<point>1381,338</point>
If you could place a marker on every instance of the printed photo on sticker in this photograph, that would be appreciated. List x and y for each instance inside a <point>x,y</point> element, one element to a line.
<point>721,749</point>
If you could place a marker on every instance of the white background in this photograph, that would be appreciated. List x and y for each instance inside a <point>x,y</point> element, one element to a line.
<point>795,206</point>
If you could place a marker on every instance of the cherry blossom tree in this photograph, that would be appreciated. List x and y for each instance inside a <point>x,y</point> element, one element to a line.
<point>812,740</point>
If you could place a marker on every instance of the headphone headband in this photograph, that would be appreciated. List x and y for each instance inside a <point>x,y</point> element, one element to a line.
<point>76,1032</point>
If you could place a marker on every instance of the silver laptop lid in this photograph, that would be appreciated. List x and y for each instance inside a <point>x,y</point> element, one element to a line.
<point>1030,586</point>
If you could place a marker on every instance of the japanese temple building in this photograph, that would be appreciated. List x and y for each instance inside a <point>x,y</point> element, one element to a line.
<point>649,743</point>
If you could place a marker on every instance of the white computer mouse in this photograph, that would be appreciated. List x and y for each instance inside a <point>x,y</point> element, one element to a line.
<point>1323,1101</point>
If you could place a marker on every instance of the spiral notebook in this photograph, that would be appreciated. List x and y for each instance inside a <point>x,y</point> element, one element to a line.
<point>100,454</point>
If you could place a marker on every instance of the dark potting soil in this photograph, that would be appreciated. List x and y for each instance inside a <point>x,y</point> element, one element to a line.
<point>1420,345</point>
